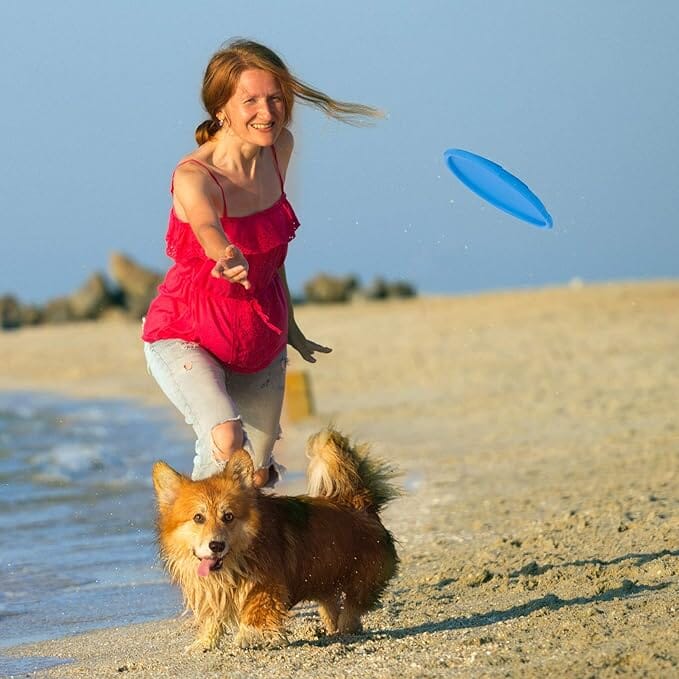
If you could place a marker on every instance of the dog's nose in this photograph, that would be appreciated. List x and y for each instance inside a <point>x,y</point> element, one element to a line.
<point>216,546</point>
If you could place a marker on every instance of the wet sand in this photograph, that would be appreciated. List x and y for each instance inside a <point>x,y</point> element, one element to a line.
<point>538,436</point>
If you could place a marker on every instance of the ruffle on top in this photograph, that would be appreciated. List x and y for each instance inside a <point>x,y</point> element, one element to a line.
<point>257,233</point>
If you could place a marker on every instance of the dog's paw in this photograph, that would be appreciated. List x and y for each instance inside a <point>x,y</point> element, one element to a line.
<point>252,637</point>
<point>198,647</point>
<point>203,644</point>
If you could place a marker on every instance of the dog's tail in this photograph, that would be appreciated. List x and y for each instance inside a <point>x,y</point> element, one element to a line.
<point>346,473</point>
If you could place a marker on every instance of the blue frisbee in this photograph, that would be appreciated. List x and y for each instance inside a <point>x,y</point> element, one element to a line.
<point>494,184</point>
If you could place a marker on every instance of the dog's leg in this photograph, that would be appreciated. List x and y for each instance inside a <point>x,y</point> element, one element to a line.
<point>262,618</point>
<point>349,619</point>
<point>329,611</point>
<point>209,635</point>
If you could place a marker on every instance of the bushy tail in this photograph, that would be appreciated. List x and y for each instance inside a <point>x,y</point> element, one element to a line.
<point>346,473</point>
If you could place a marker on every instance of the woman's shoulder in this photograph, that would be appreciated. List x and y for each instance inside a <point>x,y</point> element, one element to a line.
<point>197,161</point>
<point>194,179</point>
<point>285,142</point>
<point>195,169</point>
<point>284,146</point>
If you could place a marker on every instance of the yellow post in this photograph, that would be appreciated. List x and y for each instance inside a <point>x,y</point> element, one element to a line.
<point>298,402</point>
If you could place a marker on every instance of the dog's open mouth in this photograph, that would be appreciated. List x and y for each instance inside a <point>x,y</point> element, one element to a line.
<point>208,565</point>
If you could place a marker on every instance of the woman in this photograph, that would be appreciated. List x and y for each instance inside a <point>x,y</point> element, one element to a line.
<point>215,336</point>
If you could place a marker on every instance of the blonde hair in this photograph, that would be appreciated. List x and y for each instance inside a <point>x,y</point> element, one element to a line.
<point>226,66</point>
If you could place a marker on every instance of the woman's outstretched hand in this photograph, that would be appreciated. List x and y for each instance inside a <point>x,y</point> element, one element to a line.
<point>232,266</point>
<point>304,346</point>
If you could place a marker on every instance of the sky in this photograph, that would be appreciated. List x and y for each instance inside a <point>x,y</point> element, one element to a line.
<point>579,99</point>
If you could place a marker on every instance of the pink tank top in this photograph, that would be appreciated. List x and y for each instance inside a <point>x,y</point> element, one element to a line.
<point>245,329</point>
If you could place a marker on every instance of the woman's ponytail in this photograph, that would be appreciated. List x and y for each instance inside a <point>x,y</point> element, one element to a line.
<point>206,131</point>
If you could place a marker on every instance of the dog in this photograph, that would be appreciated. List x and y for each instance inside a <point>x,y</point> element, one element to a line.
<point>244,558</point>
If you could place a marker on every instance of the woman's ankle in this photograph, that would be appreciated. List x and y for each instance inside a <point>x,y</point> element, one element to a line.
<point>261,477</point>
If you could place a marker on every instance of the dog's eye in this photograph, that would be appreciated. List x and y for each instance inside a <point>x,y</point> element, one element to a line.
<point>199,518</point>
<point>227,516</point>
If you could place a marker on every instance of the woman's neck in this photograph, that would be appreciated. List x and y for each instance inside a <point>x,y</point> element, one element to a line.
<point>231,155</point>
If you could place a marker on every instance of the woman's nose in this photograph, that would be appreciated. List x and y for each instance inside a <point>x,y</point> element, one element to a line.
<point>266,109</point>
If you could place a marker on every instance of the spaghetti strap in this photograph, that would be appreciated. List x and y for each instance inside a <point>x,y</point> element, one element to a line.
<point>278,170</point>
<point>207,169</point>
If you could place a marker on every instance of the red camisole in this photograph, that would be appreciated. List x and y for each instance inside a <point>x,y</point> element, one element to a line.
<point>245,329</point>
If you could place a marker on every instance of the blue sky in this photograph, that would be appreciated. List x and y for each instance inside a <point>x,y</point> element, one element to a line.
<point>578,98</point>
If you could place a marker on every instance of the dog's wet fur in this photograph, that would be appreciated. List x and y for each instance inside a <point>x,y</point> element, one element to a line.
<point>243,557</point>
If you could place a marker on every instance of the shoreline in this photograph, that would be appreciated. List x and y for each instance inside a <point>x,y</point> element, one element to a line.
<point>537,433</point>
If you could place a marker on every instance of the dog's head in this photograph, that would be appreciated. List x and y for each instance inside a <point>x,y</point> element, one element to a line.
<point>203,523</point>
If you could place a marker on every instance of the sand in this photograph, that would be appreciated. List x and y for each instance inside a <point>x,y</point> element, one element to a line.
<point>538,437</point>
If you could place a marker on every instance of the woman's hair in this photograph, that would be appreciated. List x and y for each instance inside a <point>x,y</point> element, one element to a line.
<point>226,66</point>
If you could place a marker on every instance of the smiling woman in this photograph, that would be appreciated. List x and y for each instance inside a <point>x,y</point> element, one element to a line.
<point>223,76</point>
<point>215,336</point>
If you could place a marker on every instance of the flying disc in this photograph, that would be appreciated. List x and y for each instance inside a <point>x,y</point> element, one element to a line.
<point>495,185</point>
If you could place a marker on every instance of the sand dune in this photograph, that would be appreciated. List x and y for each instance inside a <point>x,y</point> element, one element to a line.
<point>539,440</point>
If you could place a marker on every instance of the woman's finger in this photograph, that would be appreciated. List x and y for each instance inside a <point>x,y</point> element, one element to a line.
<point>318,347</point>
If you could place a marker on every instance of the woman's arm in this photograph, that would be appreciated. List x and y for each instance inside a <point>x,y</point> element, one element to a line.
<point>200,200</point>
<point>296,338</point>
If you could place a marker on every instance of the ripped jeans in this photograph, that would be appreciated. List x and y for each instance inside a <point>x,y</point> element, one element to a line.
<point>207,393</point>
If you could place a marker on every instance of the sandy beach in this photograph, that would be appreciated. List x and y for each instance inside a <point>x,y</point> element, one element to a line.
<point>538,436</point>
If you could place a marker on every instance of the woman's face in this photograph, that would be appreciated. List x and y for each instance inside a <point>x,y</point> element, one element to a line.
<point>256,110</point>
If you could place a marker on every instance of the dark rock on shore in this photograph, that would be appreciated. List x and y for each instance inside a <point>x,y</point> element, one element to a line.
<point>134,286</point>
<point>14,314</point>
<point>92,299</point>
<point>10,312</point>
<point>382,289</point>
<point>325,289</point>
<point>137,283</point>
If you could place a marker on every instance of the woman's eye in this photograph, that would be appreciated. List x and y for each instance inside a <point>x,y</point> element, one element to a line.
<point>227,516</point>
<point>199,518</point>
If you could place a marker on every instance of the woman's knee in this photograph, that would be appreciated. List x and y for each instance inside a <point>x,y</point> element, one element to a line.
<point>227,438</point>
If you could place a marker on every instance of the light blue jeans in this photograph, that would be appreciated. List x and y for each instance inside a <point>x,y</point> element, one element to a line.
<point>207,393</point>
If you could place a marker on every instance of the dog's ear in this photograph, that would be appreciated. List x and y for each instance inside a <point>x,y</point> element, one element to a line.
<point>166,482</point>
<point>240,468</point>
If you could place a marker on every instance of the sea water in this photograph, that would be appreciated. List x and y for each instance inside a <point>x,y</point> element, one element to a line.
<point>77,542</point>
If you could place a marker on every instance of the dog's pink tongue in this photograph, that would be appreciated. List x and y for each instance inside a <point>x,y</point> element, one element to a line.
<point>205,566</point>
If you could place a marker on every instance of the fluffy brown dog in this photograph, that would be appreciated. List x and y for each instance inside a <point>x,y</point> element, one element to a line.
<point>244,558</point>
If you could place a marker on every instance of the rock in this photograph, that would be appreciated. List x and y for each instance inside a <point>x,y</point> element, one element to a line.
<point>31,314</point>
<point>58,310</point>
<point>91,299</point>
<point>376,290</point>
<point>138,284</point>
<point>326,289</point>
<point>10,312</point>
<point>401,289</point>
<point>382,289</point>
<point>14,314</point>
